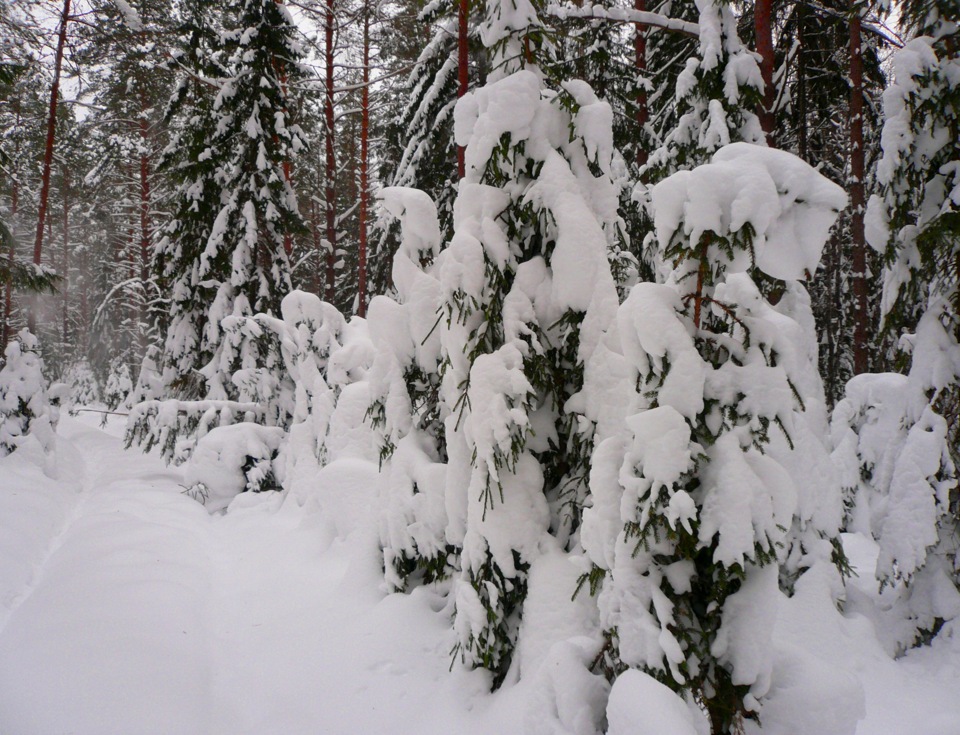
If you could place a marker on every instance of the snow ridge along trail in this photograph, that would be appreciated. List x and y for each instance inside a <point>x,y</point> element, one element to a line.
<point>131,610</point>
<point>126,609</point>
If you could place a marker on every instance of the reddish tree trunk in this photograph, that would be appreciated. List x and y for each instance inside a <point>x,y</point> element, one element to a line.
<point>640,54</point>
<point>857,198</point>
<point>317,240</point>
<point>463,78</point>
<point>364,155</point>
<point>762,21</point>
<point>65,290</point>
<point>331,172</point>
<point>48,149</point>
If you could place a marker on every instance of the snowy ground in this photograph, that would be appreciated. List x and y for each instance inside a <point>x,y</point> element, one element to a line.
<point>126,608</point>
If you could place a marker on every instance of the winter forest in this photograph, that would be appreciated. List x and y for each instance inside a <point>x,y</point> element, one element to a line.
<point>480,366</point>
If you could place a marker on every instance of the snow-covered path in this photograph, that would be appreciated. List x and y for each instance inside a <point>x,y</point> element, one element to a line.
<point>128,609</point>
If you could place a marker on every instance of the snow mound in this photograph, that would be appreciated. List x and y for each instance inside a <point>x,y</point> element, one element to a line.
<point>641,705</point>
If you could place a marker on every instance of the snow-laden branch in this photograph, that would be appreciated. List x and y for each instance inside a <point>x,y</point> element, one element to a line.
<point>625,15</point>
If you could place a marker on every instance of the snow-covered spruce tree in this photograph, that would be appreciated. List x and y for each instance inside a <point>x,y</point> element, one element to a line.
<point>259,208</point>
<point>527,288</point>
<point>190,272</point>
<point>915,220</point>
<point>24,405</point>
<point>223,250</point>
<point>900,484</point>
<point>243,265</point>
<point>608,56</point>
<point>293,403</point>
<point>405,407</point>
<point>716,95</point>
<point>698,392</point>
<point>897,434</point>
<point>327,358</point>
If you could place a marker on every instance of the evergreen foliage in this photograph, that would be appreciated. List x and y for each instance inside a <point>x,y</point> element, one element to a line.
<point>693,481</point>
<point>716,95</point>
<point>25,407</point>
<point>223,250</point>
<point>906,451</point>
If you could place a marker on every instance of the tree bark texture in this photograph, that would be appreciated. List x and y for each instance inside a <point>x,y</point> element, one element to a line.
<point>762,21</point>
<point>364,156</point>
<point>48,148</point>
<point>331,169</point>
<point>857,197</point>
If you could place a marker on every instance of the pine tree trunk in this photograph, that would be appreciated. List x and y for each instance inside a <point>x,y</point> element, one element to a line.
<point>802,146</point>
<point>48,149</point>
<point>462,72</point>
<point>14,202</point>
<point>857,198</point>
<point>640,60</point>
<point>331,171</point>
<point>145,233</point>
<point>364,155</point>
<point>84,325</point>
<point>762,18</point>
<point>316,281</point>
<point>65,289</point>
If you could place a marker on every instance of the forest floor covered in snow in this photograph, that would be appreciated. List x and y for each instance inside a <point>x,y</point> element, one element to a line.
<point>126,608</point>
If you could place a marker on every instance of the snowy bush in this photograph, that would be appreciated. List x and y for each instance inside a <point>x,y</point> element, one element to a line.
<point>697,391</point>
<point>25,407</point>
<point>901,479</point>
<point>233,459</point>
<point>176,426</point>
<point>279,371</point>
<point>328,359</point>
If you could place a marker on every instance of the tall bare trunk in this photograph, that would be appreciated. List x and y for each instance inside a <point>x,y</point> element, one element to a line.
<point>801,102</point>
<point>145,232</point>
<point>48,149</point>
<point>331,173</point>
<point>65,289</point>
<point>145,224</point>
<point>364,156</point>
<point>640,60</point>
<point>857,198</point>
<point>762,22</point>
